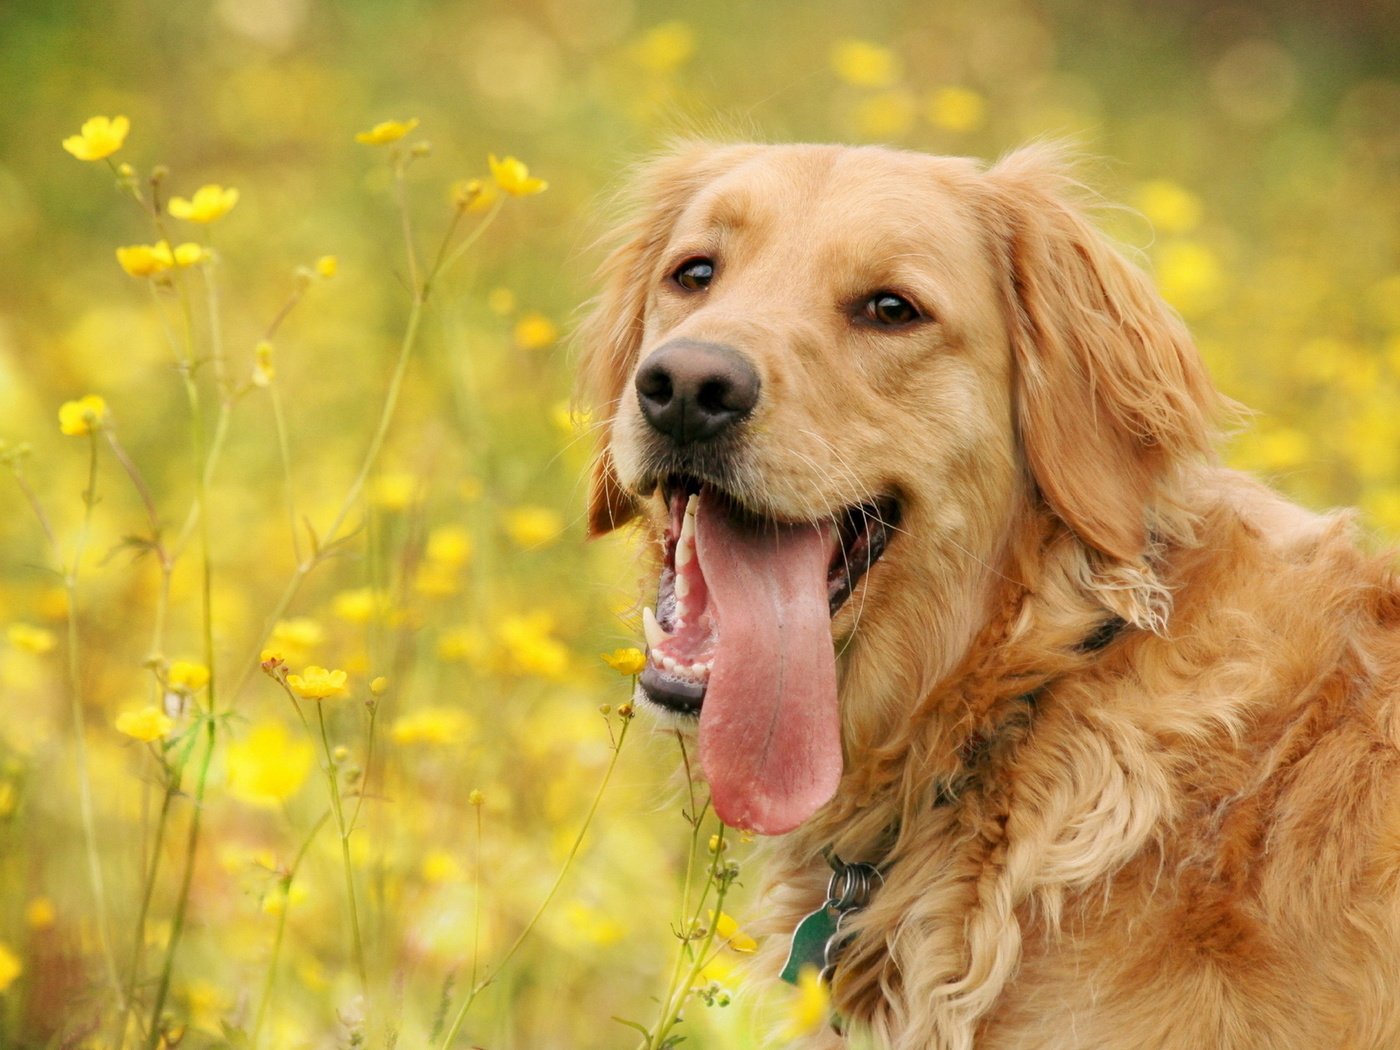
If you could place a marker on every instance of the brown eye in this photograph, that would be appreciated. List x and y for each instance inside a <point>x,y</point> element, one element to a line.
<point>890,310</point>
<point>694,275</point>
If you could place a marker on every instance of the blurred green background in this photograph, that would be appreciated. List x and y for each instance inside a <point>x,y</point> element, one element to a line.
<point>1256,146</point>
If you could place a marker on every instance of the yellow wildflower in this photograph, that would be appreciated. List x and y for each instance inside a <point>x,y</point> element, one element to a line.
<point>99,137</point>
<point>34,640</point>
<point>531,527</point>
<point>317,683</point>
<point>187,676</point>
<point>40,914</point>
<point>395,491</point>
<point>268,766</point>
<point>297,635</point>
<point>627,661</point>
<point>535,332</point>
<point>473,195</point>
<point>10,967</point>
<point>431,725</point>
<point>386,131</point>
<point>1169,207</point>
<point>146,724</point>
<point>283,896</point>
<point>886,114</point>
<point>436,579</point>
<point>379,686</point>
<point>449,545</point>
<point>441,866</point>
<point>145,260</point>
<point>264,371</point>
<point>476,798</point>
<point>808,1012</point>
<point>8,798</point>
<point>87,414</point>
<point>209,204</point>
<point>727,930</point>
<point>664,48</point>
<point>1189,276</point>
<point>514,178</point>
<point>956,109</point>
<point>462,645</point>
<point>356,606</point>
<point>863,64</point>
<point>327,266</point>
<point>530,647</point>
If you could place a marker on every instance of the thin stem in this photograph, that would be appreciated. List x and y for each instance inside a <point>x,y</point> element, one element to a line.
<point>286,885</point>
<point>75,697</point>
<point>333,776</point>
<point>478,986</point>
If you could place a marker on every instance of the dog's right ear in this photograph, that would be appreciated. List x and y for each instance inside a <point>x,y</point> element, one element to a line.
<point>610,336</point>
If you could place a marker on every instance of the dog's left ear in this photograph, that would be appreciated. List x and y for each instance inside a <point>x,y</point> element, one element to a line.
<point>1112,398</point>
<point>611,334</point>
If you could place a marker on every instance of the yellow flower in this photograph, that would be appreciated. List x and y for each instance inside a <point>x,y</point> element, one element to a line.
<point>501,302</point>
<point>727,930</point>
<point>40,913</point>
<point>356,606</point>
<point>956,109</point>
<point>34,640</point>
<point>473,195</point>
<point>863,64</point>
<point>885,115</point>
<point>435,579</point>
<point>268,766</point>
<point>1189,276</point>
<point>535,332</point>
<point>209,204</point>
<point>10,967</point>
<point>327,265</point>
<point>531,527</point>
<point>99,137</point>
<point>395,491</point>
<point>297,635</point>
<point>476,798</point>
<point>441,866</point>
<point>76,418</point>
<point>449,545</point>
<point>514,177</point>
<point>627,661</point>
<point>188,676</point>
<point>264,370</point>
<point>147,724</point>
<point>317,683</point>
<point>808,1012</point>
<point>530,648</point>
<point>431,725</point>
<point>387,131</point>
<point>379,686</point>
<point>1169,207</point>
<point>145,260</point>
<point>664,48</point>
<point>190,254</point>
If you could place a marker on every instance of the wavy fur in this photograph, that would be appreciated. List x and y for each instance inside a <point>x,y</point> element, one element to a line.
<point>1120,726</point>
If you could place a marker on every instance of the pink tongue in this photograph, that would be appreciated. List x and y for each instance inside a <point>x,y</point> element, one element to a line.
<point>770,735</point>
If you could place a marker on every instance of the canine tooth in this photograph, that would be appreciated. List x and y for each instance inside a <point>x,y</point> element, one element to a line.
<point>656,635</point>
<point>682,586</point>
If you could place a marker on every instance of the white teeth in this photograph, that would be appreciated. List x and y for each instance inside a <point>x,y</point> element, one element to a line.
<point>669,662</point>
<point>682,610</point>
<point>655,634</point>
<point>700,670</point>
<point>685,546</point>
<point>682,586</point>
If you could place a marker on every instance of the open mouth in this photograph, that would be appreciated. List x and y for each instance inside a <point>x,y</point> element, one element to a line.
<point>683,631</point>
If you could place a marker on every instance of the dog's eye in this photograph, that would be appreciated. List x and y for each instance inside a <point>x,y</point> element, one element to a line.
<point>890,310</point>
<point>694,275</point>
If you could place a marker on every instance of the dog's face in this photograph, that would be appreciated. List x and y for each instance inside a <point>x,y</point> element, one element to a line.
<point>823,367</point>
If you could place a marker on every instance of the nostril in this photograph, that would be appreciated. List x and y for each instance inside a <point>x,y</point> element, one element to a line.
<point>694,391</point>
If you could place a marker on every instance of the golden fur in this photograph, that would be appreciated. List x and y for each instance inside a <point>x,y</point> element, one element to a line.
<point>1188,837</point>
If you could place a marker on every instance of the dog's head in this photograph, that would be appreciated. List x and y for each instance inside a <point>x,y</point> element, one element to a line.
<point>832,381</point>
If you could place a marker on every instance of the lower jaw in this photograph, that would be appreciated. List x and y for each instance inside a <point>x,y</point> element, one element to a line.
<point>672,694</point>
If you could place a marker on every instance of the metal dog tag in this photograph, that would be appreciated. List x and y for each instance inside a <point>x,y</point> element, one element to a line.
<point>810,940</point>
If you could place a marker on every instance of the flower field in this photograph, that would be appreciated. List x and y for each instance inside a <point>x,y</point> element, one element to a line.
<point>315,728</point>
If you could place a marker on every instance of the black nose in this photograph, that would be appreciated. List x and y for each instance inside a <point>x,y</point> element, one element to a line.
<point>692,391</point>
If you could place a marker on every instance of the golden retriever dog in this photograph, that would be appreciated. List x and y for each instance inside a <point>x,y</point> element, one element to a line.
<point>955,599</point>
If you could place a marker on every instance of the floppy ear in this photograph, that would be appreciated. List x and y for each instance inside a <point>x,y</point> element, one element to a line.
<point>1112,397</point>
<point>611,334</point>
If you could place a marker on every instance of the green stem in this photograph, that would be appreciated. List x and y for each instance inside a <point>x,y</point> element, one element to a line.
<point>286,881</point>
<point>478,986</point>
<point>333,776</point>
<point>75,697</point>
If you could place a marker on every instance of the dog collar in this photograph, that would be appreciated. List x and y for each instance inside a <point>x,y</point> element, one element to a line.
<point>818,939</point>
